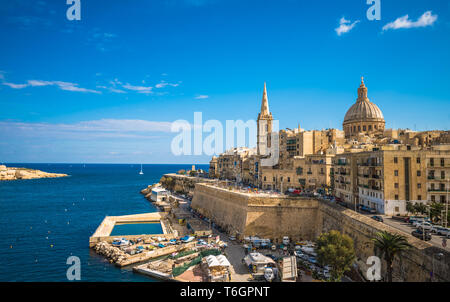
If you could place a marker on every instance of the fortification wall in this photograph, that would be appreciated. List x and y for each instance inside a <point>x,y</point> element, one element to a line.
<point>227,209</point>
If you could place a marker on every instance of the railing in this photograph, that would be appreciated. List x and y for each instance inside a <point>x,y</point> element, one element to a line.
<point>438,190</point>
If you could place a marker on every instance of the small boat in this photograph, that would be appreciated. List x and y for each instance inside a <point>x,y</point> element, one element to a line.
<point>142,172</point>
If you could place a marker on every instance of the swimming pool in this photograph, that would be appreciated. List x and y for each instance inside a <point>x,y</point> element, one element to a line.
<point>141,228</point>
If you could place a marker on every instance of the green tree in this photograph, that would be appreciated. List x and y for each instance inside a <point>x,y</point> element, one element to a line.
<point>410,208</point>
<point>420,208</point>
<point>336,250</point>
<point>436,209</point>
<point>390,245</point>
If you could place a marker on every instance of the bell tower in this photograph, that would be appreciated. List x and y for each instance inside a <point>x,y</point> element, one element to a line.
<point>264,123</point>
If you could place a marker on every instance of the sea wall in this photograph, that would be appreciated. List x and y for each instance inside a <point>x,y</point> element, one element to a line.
<point>182,184</point>
<point>306,218</point>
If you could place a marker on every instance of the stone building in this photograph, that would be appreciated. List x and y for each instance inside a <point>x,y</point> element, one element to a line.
<point>386,179</point>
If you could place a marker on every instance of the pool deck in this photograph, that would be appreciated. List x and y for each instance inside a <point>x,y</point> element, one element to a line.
<point>103,232</point>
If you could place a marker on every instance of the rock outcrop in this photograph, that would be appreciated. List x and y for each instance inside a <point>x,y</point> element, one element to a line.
<point>10,173</point>
<point>113,254</point>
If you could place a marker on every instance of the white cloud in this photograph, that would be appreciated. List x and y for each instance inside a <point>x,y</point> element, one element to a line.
<point>427,19</point>
<point>202,97</point>
<point>15,86</point>
<point>114,128</point>
<point>61,85</point>
<point>164,84</point>
<point>140,89</point>
<point>345,26</point>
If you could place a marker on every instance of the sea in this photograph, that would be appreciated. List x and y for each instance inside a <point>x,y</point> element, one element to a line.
<point>43,222</point>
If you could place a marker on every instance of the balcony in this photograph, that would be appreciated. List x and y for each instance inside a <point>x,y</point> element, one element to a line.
<point>438,190</point>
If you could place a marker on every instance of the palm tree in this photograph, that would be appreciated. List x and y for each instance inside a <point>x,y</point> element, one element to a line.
<point>390,245</point>
<point>410,207</point>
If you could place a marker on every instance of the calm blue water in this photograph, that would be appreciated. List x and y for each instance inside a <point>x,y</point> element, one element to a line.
<point>137,229</point>
<point>64,212</point>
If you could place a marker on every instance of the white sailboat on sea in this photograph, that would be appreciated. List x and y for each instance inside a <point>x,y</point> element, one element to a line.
<point>142,172</point>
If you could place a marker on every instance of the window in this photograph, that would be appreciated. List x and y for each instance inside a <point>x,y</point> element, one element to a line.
<point>265,178</point>
<point>396,197</point>
<point>375,126</point>
<point>273,178</point>
<point>442,162</point>
<point>395,160</point>
<point>419,185</point>
<point>433,198</point>
<point>432,162</point>
<point>359,128</point>
<point>281,178</point>
<point>364,128</point>
<point>442,199</point>
<point>418,160</point>
<point>418,173</point>
<point>397,209</point>
<point>419,197</point>
<point>442,174</point>
<point>396,185</point>
<point>396,173</point>
<point>289,179</point>
<point>370,127</point>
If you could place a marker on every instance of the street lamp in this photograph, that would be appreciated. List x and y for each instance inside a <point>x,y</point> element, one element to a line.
<point>446,205</point>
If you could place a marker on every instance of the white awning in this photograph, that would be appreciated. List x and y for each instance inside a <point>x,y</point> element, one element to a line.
<point>212,261</point>
<point>220,260</point>
<point>223,260</point>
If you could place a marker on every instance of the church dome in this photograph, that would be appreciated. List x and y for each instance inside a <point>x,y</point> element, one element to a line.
<point>363,110</point>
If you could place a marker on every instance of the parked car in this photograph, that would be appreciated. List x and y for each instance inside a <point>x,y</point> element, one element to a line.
<point>424,225</point>
<point>377,218</point>
<point>442,231</point>
<point>419,234</point>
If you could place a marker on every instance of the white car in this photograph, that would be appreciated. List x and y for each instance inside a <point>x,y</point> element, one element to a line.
<point>442,231</point>
<point>422,223</point>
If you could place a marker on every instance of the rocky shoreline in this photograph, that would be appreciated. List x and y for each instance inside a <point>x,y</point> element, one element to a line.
<point>11,173</point>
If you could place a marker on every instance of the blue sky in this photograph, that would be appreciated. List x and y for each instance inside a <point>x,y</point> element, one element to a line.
<point>107,87</point>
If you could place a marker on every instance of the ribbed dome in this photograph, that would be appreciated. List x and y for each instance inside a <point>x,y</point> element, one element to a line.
<point>363,109</point>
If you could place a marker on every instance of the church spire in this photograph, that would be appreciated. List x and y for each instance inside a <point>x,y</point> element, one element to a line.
<point>265,103</point>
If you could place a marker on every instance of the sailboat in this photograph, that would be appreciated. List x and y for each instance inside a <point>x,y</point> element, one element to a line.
<point>142,172</point>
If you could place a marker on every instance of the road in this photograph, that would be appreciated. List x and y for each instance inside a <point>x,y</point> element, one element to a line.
<point>436,240</point>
